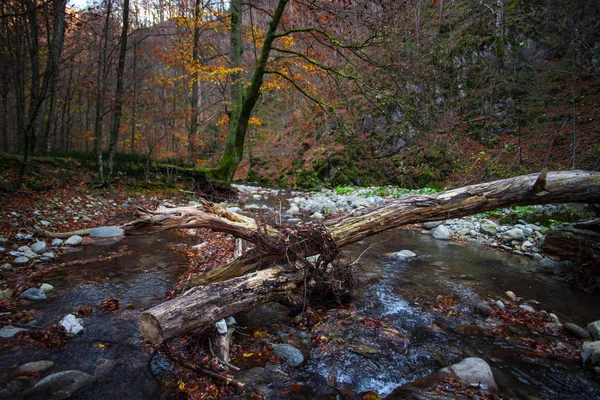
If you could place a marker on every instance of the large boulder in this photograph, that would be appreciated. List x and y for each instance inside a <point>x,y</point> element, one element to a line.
<point>474,371</point>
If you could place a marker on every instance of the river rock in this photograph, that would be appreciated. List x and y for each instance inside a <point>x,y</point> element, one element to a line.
<point>74,240</point>
<point>6,267</point>
<point>474,371</point>
<point>576,331</point>
<point>46,287</point>
<point>405,254</point>
<point>441,232</point>
<point>489,228</point>
<point>513,234</point>
<point>71,324</point>
<point>33,294</point>
<point>236,210</point>
<point>556,268</point>
<point>484,309</point>
<point>38,247</point>
<point>293,210</point>
<point>594,329</point>
<point>7,332</point>
<point>500,304</point>
<point>527,308</point>
<point>49,255</point>
<point>106,232</point>
<point>21,260</point>
<point>432,224</point>
<point>511,295</point>
<point>57,242</point>
<point>34,366</point>
<point>6,294</point>
<point>590,353</point>
<point>317,216</point>
<point>289,353</point>
<point>60,385</point>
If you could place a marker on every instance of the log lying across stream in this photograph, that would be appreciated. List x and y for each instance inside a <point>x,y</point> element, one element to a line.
<point>203,305</point>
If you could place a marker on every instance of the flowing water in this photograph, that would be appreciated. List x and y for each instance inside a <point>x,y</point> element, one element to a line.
<point>401,293</point>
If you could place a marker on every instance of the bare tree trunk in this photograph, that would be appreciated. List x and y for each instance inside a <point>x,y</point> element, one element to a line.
<point>118,110</point>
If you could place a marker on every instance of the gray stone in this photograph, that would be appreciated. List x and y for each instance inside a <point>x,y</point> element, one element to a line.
<point>293,210</point>
<point>489,228</point>
<point>289,353</point>
<point>106,232</point>
<point>500,304</point>
<point>57,242</point>
<point>511,295</point>
<point>61,385</point>
<point>527,232</point>
<point>33,294</point>
<point>405,254</point>
<point>432,224</point>
<point>590,353</point>
<point>74,240</point>
<point>34,366</point>
<point>576,331</point>
<point>594,329</point>
<point>6,267</point>
<point>557,268</point>
<point>441,232</point>
<point>317,216</point>
<point>484,309</point>
<point>49,255</point>
<point>474,371</point>
<point>46,287</point>
<point>21,260</point>
<point>38,247</point>
<point>537,257</point>
<point>513,234</point>
<point>6,294</point>
<point>7,332</point>
<point>527,308</point>
<point>236,210</point>
<point>103,366</point>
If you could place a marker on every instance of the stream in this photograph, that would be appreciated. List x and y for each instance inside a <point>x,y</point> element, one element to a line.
<point>402,293</point>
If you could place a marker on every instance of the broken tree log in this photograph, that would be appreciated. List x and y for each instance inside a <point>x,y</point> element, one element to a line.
<point>230,288</point>
<point>204,305</point>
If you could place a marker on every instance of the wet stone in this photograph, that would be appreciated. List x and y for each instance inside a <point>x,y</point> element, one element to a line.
<point>74,240</point>
<point>441,233</point>
<point>46,288</point>
<point>57,242</point>
<point>594,329</point>
<point>6,267</point>
<point>21,260</point>
<point>106,231</point>
<point>289,353</point>
<point>474,371</point>
<point>33,294</point>
<point>38,247</point>
<point>590,353</point>
<point>34,366</point>
<point>7,332</point>
<point>576,331</point>
<point>61,385</point>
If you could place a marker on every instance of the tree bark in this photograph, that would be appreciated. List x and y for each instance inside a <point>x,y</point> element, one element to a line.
<point>202,306</point>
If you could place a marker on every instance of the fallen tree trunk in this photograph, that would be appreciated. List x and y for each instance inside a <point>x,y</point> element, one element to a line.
<point>203,306</point>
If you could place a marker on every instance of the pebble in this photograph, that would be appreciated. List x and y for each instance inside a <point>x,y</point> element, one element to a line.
<point>74,240</point>
<point>21,260</point>
<point>576,331</point>
<point>57,242</point>
<point>511,295</point>
<point>527,308</point>
<point>46,287</point>
<point>6,267</point>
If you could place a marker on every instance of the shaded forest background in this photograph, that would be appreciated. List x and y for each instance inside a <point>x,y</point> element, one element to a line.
<point>414,93</point>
